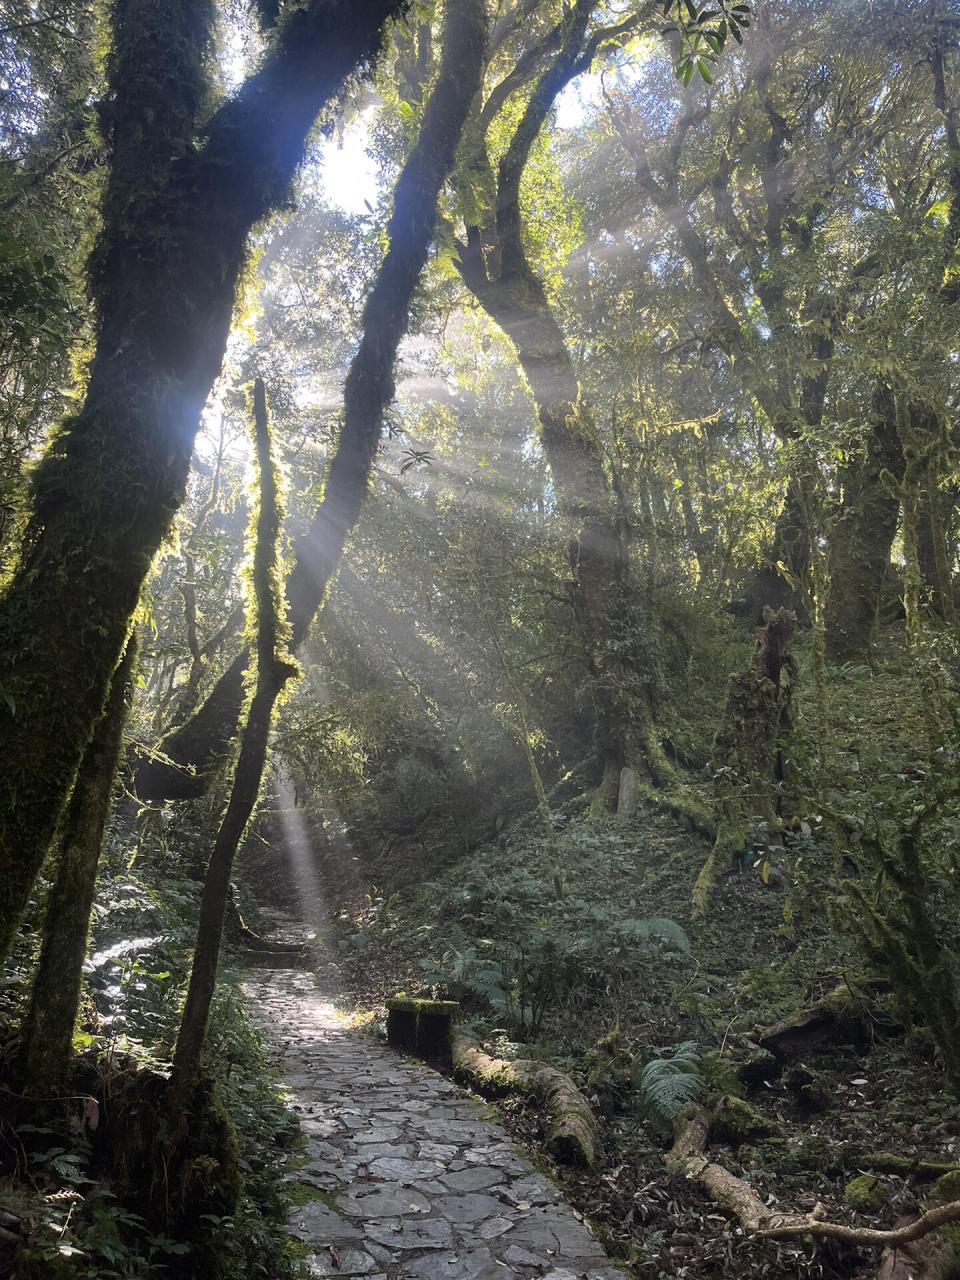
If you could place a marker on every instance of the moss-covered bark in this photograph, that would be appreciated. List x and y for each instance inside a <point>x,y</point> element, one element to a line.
<point>55,994</point>
<point>274,669</point>
<point>368,391</point>
<point>494,265</point>
<point>183,192</point>
<point>861,536</point>
<point>895,923</point>
<point>936,540</point>
<point>571,1127</point>
<point>756,716</point>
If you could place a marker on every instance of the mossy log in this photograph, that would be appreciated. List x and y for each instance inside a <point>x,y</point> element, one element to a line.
<point>571,1125</point>
<point>908,1166</point>
<point>841,1017</point>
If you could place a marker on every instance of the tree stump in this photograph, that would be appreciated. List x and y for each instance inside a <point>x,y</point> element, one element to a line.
<point>423,1027</point>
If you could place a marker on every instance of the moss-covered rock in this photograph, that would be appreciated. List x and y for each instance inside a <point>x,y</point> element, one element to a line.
<point>946,1187</point>
<point>736,1122</point>
<point>865,1193</point>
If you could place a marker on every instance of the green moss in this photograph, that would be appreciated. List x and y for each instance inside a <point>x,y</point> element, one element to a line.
<point>735,1122</point>
<point>947,1187</point>
<point>865,1193</point>
<point>404,1004</point>
<point>301,1193</point>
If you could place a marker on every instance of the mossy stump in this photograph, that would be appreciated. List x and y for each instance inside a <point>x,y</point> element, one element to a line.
<point>423,1027</point>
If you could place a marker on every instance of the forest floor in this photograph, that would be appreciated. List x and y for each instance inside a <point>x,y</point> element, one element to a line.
<point>765,952</point>
<point>401,1173</point>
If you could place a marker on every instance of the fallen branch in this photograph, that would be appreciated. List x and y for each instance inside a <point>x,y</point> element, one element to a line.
<point>922,1226</point>
<point>739,1197</point>
<point>571,1127</point>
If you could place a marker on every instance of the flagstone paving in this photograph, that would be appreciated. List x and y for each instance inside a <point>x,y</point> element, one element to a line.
<point>413,1179</point>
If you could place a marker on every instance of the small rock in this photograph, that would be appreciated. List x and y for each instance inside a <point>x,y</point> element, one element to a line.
<point>340,1262</point>
<point>417,1233</point>
<point>382,1201</point>
<point>397,1169</point>
<point>473,1264</point>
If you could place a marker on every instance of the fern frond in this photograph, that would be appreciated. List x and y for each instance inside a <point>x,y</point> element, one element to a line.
<point>667,1085</point>
<point>666,930</point>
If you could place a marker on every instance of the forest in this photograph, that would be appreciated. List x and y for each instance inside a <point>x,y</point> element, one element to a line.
<point>479,666</point>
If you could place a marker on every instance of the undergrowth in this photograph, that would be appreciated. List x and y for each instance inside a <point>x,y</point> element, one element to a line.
<point>59,1174</point>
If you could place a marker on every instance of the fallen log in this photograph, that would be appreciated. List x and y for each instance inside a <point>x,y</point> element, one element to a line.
<point>738,1197</point>
<point>843,1016</point>
<point>571,1127</point>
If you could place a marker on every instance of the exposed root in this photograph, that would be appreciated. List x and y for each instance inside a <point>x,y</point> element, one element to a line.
<point>686,807</point>
<point>571,1127</point>
<point>739,1198</point>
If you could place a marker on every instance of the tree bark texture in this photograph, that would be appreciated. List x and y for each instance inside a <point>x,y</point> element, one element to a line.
<point>748,745</point>
<point>55,995</point>
<point>274,669</point>
<point>495,268</point>
<point>862,534</point>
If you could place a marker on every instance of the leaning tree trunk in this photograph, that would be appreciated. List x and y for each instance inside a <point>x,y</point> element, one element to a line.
<point>369,388</point>
<point>861,537</point>
<point>55,995</point>
<point>176,215</point>
<point>274,669</point>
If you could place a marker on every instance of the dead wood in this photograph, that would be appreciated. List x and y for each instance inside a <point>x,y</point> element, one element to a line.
<point>739,1198</point>
<point>571,1126</point>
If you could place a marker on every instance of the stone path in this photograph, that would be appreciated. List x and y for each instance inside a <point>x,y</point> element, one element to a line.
<point>414,1179</point>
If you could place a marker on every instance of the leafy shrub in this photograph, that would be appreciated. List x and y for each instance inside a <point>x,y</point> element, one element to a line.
<point>519,950</point>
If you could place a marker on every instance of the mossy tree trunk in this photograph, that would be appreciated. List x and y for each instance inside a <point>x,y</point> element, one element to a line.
<point>936,542</point>
<point>274,669</point>
<point>55,994</point>
<point>750,774</point>
<point>368,391</point>
<point>182,194</point>
<point>862,534</point>
<point>893,917</point>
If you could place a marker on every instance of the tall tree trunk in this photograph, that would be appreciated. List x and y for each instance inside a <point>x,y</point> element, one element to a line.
<point>274,669</point>
<point>495,268</point>
<point>176,216</point>
<point>55,994</point>
<point>368,390</point>
<point>862,534</point>
<point>936,542</point>
<point>518,305</point>
<point>775,583</point>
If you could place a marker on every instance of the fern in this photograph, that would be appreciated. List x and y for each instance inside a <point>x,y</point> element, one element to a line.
<point>666,1085</point>
<point>660,929</point>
